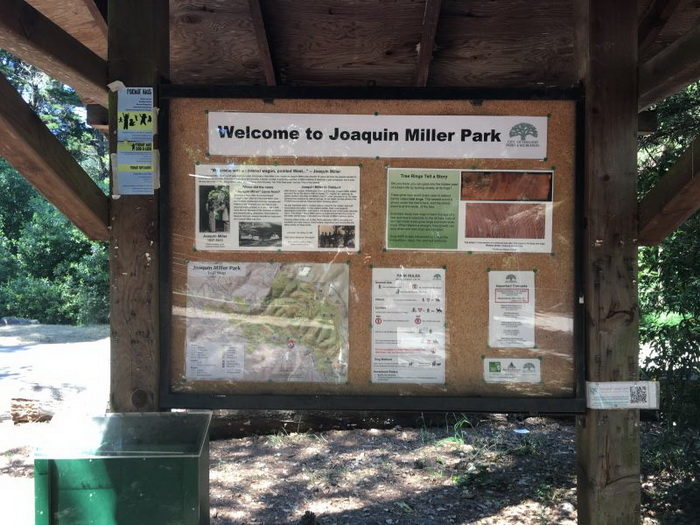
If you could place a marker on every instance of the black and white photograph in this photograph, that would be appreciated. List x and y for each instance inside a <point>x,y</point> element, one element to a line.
<point>336,236</point>
<point>214,207</point>
<point>260,234</point>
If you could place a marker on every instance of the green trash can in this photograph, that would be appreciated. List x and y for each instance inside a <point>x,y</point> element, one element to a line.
<point>141,468</point>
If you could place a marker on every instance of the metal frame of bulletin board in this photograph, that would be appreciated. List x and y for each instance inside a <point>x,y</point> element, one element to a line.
<point>195,237</point>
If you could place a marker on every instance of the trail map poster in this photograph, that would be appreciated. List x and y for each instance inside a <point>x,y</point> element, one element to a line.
<point>469,210</point>
<point>280,322</point>
<point>408,332</point>
<point>277,208</point>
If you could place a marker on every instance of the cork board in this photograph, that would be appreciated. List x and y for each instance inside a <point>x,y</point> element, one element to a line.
<point>466,274</point>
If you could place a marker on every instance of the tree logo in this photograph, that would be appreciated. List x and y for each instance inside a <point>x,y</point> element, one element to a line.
<point>522,130</point>
<point>510,278</point>
<point>523,135</point>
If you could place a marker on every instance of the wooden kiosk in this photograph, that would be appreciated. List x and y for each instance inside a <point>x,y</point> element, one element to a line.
<point>585,69</point>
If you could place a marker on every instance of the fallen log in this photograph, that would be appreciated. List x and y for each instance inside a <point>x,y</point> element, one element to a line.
<point>30,411</point>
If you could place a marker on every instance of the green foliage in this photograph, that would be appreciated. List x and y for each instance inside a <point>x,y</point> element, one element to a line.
<point>669,274</point>
<point>36,298</point>
<point>48,269</point>
<point>670,464</point>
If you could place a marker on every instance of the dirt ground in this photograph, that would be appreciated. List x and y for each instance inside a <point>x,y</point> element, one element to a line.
<point>483,469</point>
<point>485,473</point>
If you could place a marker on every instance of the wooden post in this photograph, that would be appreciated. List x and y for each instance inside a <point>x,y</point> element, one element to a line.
<point>138,56</point>
<point>608,441</point>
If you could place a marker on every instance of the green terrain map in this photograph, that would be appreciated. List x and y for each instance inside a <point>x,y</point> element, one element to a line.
<point>267,322</point>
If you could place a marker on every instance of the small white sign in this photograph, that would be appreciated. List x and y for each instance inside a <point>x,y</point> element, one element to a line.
<point>408,136</point>
<point>512,370</point>
<point>623,394</point>
<point>512,309</point>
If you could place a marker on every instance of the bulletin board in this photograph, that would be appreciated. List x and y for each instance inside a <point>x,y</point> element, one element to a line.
<point>260,313</point>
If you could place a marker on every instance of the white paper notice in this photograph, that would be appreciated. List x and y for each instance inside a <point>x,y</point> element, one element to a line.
<point>500,370</point>
<point>408,325</point>
<point>512,309</point>
<point>623,394</point>
<point>273,208</point>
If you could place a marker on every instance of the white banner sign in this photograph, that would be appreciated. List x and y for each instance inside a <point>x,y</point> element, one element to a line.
<point>409,136</point>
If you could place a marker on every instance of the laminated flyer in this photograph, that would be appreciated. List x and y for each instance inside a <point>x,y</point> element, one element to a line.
<point>512,309</point>
<point>469,210</point>
<point>135,115</point>
<point>408,325</point>
<point>277,208</point>
<point>281,322</point>
<point>136,164</point>
<point>614,395</point>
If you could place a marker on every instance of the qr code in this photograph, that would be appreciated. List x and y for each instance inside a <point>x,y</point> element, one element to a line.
<point>638,394</point>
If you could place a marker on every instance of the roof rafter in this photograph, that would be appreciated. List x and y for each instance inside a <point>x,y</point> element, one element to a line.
<point>101,6</point>
<point>674,198</point>
<point>431,17</point>
<point>38,155</point>
<point>671,70</point>
<point>28,34</point>
<point>263,42</point>
<point>654,20</point>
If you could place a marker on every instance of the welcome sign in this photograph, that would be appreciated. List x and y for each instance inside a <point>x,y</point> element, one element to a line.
<point>407,136</point>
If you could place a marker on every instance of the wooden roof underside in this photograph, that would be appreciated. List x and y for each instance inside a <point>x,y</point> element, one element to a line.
<point>477,43</point>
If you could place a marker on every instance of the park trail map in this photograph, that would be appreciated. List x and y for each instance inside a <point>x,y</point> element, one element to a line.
<point>280,322</point>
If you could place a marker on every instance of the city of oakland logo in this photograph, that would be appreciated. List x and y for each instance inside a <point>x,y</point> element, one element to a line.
<point>510,278</point>
<point>523,135</point>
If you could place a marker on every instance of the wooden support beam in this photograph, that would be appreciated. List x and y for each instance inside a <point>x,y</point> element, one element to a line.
<point>263,42</point>
<point>81,19</point>
<point>671,70</point>
<point>608,464</point>
<point>98,117</point>
<point>653,21</point>
<point>101,7</point>
<point>28,34</point>
<point>674,198</point>
<point>98,15</point>
<point>33,150</point>
<point>431,16</point>
<point>138,51</point>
